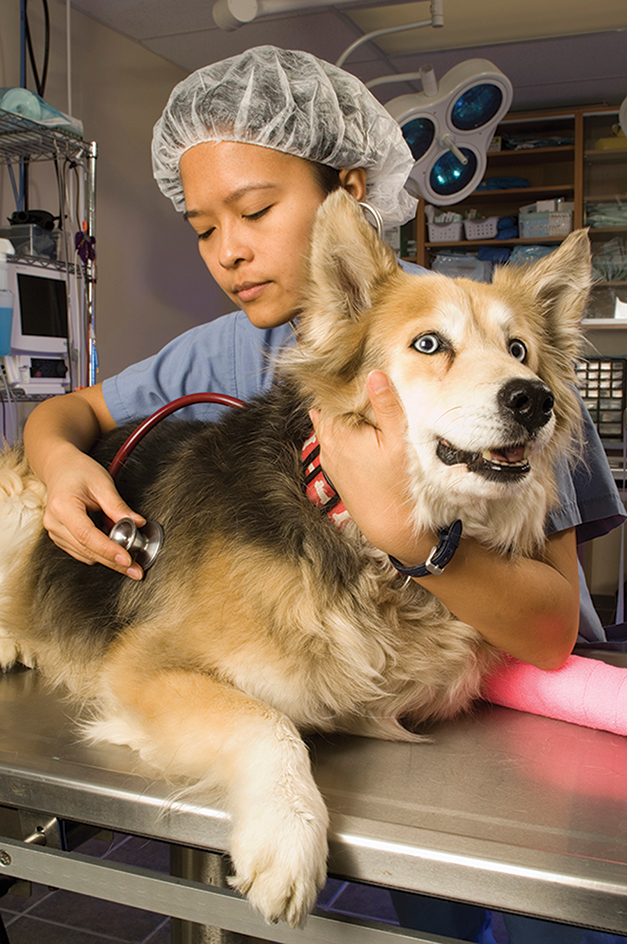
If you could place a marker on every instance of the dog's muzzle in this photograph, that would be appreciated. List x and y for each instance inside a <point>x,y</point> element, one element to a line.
<point>525,406</point>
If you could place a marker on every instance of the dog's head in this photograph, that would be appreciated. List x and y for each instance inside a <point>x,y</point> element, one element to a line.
<point>484,371</point>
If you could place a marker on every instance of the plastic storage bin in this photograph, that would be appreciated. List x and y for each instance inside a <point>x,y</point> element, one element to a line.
<point>481,229</point>
<point>445,232</point>
<point>539,225</point>
<point>31,240</point>
<point>462,266</point>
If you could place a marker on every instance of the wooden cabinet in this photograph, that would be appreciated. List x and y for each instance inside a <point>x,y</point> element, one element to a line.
<point>566,164</point>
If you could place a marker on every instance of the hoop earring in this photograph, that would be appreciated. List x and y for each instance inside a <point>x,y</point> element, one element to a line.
<point>376,216</point>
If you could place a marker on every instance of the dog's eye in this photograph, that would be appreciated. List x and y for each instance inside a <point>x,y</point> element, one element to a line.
<point>428,343</point>
<point>518,349</point>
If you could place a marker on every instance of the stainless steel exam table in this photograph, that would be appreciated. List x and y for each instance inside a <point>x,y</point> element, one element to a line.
<point>503,809</point>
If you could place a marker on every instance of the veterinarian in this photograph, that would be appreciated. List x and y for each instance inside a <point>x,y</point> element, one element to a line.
<point>248,149</point>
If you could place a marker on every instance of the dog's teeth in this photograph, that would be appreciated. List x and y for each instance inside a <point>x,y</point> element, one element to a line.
<point>508,458</point>
<point>505,456</point>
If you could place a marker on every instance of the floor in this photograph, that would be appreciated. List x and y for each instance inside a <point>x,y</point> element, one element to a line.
<point>50,916</point>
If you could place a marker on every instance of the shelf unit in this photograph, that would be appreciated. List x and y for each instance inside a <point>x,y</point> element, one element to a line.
<point>24,142</point>
<point>605,182</point>
<point>575,171</point>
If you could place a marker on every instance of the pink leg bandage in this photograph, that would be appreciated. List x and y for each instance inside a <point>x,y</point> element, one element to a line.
<point>583,691</point>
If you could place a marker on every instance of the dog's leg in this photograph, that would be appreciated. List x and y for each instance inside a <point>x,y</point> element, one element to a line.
<point>192,726</point>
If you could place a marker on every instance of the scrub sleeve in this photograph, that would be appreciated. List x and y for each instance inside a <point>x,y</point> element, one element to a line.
<point>589,502</point>
<point>228,355</point>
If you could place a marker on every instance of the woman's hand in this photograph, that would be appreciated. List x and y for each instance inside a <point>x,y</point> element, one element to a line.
<point>78,484</point>
<point>57,436</point>
<point>368,467</point>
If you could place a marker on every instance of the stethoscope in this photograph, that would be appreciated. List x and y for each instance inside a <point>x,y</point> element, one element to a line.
<point>144,544</point>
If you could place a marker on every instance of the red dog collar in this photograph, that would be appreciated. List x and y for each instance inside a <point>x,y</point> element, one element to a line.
<point>318,488</point>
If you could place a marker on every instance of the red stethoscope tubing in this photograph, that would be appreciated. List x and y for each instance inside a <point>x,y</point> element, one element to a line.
<point>222,399</point>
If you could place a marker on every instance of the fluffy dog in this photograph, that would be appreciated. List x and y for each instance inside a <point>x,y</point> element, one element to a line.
<point>261,619</point>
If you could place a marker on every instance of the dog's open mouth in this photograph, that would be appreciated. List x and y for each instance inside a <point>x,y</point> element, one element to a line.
<point>498,464</point>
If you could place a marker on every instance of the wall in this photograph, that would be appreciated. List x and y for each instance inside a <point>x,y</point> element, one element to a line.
<point>152,284</point>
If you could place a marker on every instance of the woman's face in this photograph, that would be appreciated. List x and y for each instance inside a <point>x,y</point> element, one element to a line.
<point>253,209</point>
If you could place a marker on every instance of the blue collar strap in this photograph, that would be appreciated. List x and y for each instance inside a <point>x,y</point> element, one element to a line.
<point>439,557</point>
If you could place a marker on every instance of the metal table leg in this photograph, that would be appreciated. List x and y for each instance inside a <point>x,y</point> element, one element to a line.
<point>212,869</point>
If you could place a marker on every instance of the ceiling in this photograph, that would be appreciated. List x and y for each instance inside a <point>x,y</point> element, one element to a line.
<point>556,52</point>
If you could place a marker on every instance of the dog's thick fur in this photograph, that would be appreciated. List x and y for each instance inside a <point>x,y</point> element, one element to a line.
<point>260,619</point>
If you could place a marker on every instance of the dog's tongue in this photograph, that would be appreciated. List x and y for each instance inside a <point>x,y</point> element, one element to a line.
<point>511,454</point>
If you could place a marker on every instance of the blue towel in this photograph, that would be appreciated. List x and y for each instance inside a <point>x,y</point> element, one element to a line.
<point>503,183</point>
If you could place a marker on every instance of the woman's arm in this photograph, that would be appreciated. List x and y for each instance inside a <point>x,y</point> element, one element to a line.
<point>526,607</point>
<point>57,436</point>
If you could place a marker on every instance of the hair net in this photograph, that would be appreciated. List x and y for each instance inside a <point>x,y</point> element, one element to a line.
<point>292,102</point>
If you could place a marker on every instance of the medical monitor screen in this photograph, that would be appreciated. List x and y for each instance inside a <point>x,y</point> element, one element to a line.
<point>43,306</point>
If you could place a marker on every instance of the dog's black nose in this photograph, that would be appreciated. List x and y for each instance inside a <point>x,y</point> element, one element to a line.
<point>528,402</point>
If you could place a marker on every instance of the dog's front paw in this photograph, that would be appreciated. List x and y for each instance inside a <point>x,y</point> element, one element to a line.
<point>280,857</point>
<point>11,652</point>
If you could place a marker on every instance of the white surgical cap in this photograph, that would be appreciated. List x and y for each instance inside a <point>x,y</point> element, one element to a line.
<point>292,102</point>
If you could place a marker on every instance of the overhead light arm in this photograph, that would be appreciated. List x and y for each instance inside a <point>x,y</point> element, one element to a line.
<point>437,20</point>
<point>425,74</point>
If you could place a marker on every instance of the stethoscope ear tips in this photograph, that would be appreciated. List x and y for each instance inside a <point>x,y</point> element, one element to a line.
<point>143,544</point>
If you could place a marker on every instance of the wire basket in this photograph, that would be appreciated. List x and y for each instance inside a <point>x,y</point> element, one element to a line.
<point>481,229</point>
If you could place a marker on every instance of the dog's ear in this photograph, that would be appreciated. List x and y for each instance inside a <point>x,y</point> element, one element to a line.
<point>347,261</point>
<point>557,287</point>
<point>349,266</point>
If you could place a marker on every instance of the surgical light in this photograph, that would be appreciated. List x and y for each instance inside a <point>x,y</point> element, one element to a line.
<point>448,127</point>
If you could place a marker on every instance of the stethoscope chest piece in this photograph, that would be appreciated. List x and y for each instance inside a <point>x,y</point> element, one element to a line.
<point>143,544</point>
